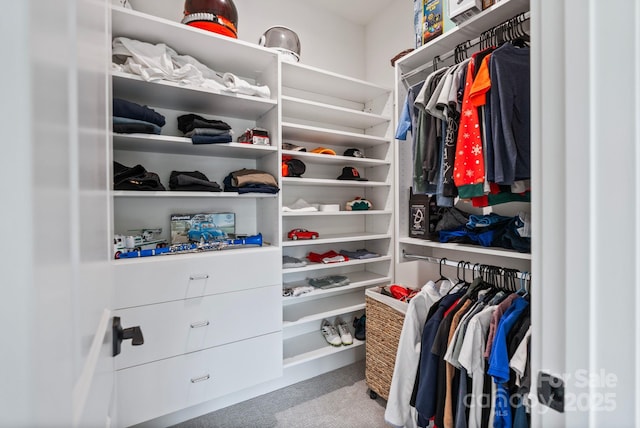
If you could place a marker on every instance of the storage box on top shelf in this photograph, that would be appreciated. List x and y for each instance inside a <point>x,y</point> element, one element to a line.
<point>460,11</point>
<point>430,20</point>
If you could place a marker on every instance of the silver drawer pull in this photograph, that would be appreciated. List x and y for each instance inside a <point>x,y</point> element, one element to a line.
<point>199,324</point>
<point>199,276</point>
<point>200,379</point>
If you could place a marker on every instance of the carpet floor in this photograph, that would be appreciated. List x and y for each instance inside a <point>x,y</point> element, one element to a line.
<point>338,399</point>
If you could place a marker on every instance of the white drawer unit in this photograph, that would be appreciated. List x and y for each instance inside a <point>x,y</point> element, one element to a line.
<point>146,281</point>
<point>189,325</point>
<point>152,390</point>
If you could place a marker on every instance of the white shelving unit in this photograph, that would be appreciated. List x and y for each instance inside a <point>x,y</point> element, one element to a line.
<point>184,303</point>
<point>411,69</point>
<point>324,109</point>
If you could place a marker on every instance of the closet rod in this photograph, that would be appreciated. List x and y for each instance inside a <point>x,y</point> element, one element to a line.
<point>455,264</point>
<point>451,53</point>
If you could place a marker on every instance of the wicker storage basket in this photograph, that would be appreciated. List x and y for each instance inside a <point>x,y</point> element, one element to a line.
<point>385,316</point>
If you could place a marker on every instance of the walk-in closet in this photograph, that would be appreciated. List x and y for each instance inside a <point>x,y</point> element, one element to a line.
<point>405,213</point>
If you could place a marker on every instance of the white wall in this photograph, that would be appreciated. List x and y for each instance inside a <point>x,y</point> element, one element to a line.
<point>388,34</point>
<point>327,41</point>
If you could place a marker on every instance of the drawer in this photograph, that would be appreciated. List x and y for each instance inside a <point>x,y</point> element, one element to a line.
<point>162,279</point>
<point>162,387</point>
<point>189,325</point>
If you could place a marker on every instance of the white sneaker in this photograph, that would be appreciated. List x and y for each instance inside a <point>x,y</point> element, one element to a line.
<point>330,333</point>
<point>343,331</point>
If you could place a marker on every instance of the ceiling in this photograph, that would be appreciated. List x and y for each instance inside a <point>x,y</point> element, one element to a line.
<point>358,11</point>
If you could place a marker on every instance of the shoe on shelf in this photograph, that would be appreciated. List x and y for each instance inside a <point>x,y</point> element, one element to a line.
<point>360,325</point>
<point>343,331</point>
<point>330,333</point>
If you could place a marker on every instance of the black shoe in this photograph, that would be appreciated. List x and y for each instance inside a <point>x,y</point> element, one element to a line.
<point>360,325</point>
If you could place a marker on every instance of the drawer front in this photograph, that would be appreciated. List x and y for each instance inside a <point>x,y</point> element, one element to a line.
<point>152,390</point>
<point>163,279</point>
<point>189,325</point>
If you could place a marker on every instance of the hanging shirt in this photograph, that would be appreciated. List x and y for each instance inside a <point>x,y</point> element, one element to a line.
<point>398,410</point>
<point>472,359</point>
<point>511,113</point>
<point>468,169</point>
<point>499,362</point>
<point>426,394</point>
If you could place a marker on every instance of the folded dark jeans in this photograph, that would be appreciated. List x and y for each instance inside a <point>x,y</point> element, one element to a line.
<point>124,108</point>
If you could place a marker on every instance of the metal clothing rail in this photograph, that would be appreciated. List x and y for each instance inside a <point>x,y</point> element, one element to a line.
<point>526,276</point>
<point>465,46</point>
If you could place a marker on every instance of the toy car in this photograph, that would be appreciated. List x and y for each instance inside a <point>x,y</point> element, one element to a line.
<point>296,234</point>
<point>205,231</point>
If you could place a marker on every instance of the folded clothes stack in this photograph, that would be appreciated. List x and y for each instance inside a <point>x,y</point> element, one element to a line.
<point>329,281</point>
<point>129,118</point>
<point>204,131</point>
<point>190,181</point>
<point>250,181</point>
<point>135,178</point>
<point>328,257</point>
<point>359,254</point>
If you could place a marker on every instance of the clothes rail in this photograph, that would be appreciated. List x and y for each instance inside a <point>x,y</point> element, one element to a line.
<point>465,46</point>
<point>458,264</point>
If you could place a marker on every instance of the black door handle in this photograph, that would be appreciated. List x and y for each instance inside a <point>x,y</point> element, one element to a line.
<point>120,334</point>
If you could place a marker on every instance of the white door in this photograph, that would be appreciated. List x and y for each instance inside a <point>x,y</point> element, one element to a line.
<point>56,364</point>
<point>585,107</point>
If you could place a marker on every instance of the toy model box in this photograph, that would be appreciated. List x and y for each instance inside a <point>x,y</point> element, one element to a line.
<point>202,227</point>
<point>430,20</point>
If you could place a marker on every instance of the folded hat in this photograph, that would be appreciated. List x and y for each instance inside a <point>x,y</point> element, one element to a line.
<point>350,173</point>
<point>289,146</point>
<point>324,151</point>
<point>353,153</point>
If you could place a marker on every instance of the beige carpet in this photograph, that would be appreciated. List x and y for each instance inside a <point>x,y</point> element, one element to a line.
<point>347,407</point>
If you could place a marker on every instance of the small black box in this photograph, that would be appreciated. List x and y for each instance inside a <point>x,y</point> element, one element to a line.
<point>424,215</point>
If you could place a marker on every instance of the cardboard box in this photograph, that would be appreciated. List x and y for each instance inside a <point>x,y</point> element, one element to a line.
<point>202,227</point>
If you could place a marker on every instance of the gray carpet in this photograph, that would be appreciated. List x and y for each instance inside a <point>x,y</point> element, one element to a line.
<point>339,399</point>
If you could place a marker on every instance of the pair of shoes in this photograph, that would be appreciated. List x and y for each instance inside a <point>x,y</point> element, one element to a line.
<point>360,325</point>
<point>336,334</point>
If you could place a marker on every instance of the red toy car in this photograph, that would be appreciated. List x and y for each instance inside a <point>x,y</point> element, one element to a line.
<point>302,234</point>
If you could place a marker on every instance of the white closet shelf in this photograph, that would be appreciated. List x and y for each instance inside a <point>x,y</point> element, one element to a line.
<point>324,159</point>
<point>183,146</point>
<point>173,194</point>
<point>358,280</point>
<point>334,213</point>
<point>468,30</point>
<point>325,113</point>
<point>491,251</point>
<point>192,99</point>
<point>317,310</point>
<point>319,136</point>
<point>333,239</point>
<point>323,266</point>
<point>312,346</point>
<point>195,255</point>
<point>327,182</point>
<point>304,77</point>
<point>217,52</point>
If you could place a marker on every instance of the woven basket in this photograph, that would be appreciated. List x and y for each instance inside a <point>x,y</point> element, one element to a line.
<point>384,325</point>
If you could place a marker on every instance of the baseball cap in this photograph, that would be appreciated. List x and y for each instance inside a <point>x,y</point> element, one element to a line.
<point>323,150</point>
<point>350,173</point>
<point>292,167</point>
<point>289,146</point>
<point>353,153</point>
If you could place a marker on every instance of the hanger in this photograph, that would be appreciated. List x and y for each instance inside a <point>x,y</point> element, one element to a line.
<point>442,277</point>
<point>523,287</point>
